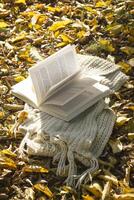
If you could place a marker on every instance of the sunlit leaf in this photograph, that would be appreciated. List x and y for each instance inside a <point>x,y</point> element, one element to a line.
<point>128,196</point>
<point>94,188</point>
<point>106,45</point>
<point>115,29</point>
<point>20,1</point>
<point>100,4</point>
<point>87,197</point>
<point>121,120</point>
<point>23,115</point>
<point>131,136</point>
<point>44,189</point>
<point>61,44</point>
<point>8,152</point>
<point>81,34</point>
<point>66,38</point>
<point>36,169</point>
<point>7,163</point>
<point>2,115</point>
<point>116,145</point>
<point>19,37</point>
<point>90,9</point>
<point>128,50</point>
<point>3,24</point>
<point>131,62</point>
<point>19,78</point>
<point>106,191</point>
<point>54,9</point>
<point>59,24</point>
<point>124,66</point>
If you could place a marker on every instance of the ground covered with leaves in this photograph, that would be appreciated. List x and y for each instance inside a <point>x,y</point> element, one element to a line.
<point>30,30</point>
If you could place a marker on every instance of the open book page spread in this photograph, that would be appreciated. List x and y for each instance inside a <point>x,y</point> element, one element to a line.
<point>60,87</point>
<point>49,73</point>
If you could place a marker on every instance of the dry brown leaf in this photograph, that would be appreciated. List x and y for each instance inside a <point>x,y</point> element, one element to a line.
<point>44,189</point>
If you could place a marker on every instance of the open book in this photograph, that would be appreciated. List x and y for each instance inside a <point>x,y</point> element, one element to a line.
<point>60,87</point>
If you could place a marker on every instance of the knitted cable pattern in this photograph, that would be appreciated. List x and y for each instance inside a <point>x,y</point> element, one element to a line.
<point>84,137</point>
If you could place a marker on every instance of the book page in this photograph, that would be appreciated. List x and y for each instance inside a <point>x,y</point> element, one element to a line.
<point>75,87</point>
<point>81,102</point>
<point>49,74</point>
<point>25,91</point>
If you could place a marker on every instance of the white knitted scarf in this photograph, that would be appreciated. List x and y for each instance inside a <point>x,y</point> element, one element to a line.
<point>83,138</point>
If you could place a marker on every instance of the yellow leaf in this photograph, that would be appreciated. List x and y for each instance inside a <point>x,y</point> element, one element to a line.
<point>100,4</point>
<point>66,38</point>
<point>54,9</point>
<point>131,136</point>
<point>94,188</point>
<point>19,37</point>
<point>61,44</point>
<point>116,145</point>
<point>23,115</point>
<point>44,189</point>
<point>20,1</point>
<point>87,197</point>
<point>90,9</point>
<point>122,120</point>
<point>19,78</point>
<point>128,196</point>
<point>59,24</point>
<point>106,45</point>
<point>115,29</point>
<point>36,169</point>
<point>8,152</point>
<point>2,115</point>
<point>124,66</point>
<point>3,24</point>
<point>128,50</point>
<point>81,34</point>
<point>6,162</point>
<point>125,187</point>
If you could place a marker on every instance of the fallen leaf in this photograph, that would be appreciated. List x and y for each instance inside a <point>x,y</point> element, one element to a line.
<point>7,163</point>
<point>22,116</point>
<point>87,197</point>
<point>19,78</point>
<point>36,169</point>
<point>131,62</point>
<point>20,1</point>
<point>44,189</point>
<point>65,38</point>
<point>59,24</point>
<point>19,37</point>
<point>2,115</point>
<point>121,120</point>
<point>8,152</point>
<point>128,50</point>
<point>3,24</point>
<point>116,145</point>
<point>124,66</point>
<point>95,189</point>
<point>128,196</point>
<point>106,191</point>
<point>106,45</point>
<point>131,136</point>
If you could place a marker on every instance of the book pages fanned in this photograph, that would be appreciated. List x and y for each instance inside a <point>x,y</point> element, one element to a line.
<point>59,86</point>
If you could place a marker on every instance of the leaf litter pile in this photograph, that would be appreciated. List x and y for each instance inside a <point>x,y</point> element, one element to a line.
<point>31,30</point>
